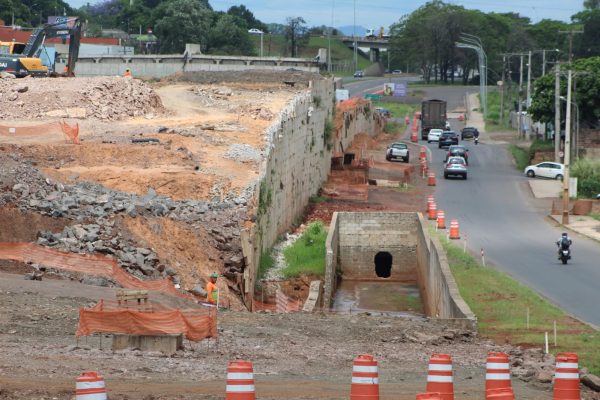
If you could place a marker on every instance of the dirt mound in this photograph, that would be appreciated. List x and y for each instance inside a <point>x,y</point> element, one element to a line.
<point>25,227</point>
<point>105,98</point>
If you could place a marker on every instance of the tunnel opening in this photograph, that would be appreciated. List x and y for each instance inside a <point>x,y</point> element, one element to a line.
<point>383,264</point>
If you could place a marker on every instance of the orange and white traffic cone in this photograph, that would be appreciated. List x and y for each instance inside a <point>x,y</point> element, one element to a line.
<point>432,214</point>
<point>439,376</point>
<point>566,377</point>
<point>423,153</point>
<point>430,199</point>
<point>497,372</point>
<point>365,378</point>
<point>240,381</point>
<point>441,219</point>
<point>500,394</point>
<point>428,396</point>
<point>454,230</point>
<point>431,179</point>
<point>90,386</point>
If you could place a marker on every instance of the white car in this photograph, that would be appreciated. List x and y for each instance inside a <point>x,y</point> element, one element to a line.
<point>448,126</point>
<point>434,135</point>
<point>397,150</point>
<point>546,169</point>
<point>254,30</point>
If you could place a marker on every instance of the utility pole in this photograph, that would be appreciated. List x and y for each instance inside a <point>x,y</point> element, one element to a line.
<point>570,33</point>
<point>329,58</point>
<point>502,92</point>
<point>520,105</point>
<point>557,112</point>
<point>565,213</point>
<point>527,131</point>
<point>543,62</point>
<point>354,37</point>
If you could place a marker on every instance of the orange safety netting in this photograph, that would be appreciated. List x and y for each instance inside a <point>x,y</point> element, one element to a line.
<point>148,319</point>
<point>283,304</point>
<point>71,132</point>
<point>85,264</point>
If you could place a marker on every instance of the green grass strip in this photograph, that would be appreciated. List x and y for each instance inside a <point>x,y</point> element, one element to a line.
<point>501,305</point>
<point>307,255</point>
<point>520,155</point>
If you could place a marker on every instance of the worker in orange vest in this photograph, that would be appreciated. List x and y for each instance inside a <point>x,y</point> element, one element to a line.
<point>127,73</point>
<point>212,292</point>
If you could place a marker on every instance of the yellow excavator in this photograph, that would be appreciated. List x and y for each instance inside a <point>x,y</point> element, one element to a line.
<point>23,59</point>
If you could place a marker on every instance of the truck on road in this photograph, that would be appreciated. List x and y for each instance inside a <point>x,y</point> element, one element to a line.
<point>433,116</point>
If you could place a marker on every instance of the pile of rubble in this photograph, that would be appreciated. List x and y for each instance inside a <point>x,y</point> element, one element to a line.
<point>104,98</point>
<point>94,207</point>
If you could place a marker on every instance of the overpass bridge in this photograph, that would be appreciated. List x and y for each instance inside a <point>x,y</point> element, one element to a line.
<point>374,44</point>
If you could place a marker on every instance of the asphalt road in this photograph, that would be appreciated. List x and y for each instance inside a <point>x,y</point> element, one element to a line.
<point>497,212</point>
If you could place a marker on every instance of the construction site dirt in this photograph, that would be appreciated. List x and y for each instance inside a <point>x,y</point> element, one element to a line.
<point>164,187</point>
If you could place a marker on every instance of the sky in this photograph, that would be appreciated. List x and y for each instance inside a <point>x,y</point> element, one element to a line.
<point>376,13</point>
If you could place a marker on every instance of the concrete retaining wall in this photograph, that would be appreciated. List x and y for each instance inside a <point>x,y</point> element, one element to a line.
<point>439,292</point>
<point>354,238</point>
<point>363,235</point>
<point>156,66</point>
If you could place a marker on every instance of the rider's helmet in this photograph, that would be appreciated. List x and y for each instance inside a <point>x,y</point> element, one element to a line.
<point>564,234</point>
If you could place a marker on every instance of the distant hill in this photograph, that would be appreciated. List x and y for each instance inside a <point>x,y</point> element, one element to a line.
<point>348,29</point>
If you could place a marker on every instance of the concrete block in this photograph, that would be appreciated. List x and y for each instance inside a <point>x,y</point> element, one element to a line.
<point>167,344</point>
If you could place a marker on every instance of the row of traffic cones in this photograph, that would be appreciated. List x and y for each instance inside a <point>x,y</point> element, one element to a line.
<point>365,379</point>
<point>439,216</point>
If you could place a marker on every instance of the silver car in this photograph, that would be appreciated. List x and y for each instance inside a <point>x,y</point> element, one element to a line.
<point>455,166</point>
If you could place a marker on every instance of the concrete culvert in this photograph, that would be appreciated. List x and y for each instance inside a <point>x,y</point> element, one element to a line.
<point>383,264</point>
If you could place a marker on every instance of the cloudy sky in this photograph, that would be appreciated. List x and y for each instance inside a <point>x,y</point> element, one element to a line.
<point>375,13</point>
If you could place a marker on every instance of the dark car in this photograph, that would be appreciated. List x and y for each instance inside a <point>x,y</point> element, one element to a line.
<point>448,138</point>
<point>384,112</point>
<point>468,133</point>
<point>458,151</point>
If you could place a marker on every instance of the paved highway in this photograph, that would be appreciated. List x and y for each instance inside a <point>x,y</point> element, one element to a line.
<point>498,213</point>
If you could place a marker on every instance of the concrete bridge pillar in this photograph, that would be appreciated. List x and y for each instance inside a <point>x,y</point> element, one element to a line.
<point>374,55</point>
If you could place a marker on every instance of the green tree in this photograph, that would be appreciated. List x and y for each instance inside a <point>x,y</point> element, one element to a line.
<point>181,22</point>
<point>587,84</point>
<point>591,4</point>
<point>246,15</point>
<point>230,36</point>
<point>296,34</point>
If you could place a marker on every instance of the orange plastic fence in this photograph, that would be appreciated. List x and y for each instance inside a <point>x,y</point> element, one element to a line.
<point>71,132</point>
<point>86,264</point>
<point>283,304</point>
<point>109,317</point>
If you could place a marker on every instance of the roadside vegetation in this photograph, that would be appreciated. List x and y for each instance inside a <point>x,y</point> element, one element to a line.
<point>493,121</point>
<point>398,110</point>
<point>502,306</point>
<point>520,155</point>
<point>266,263</point>
<point>588,174</point>
<point>307,255</point>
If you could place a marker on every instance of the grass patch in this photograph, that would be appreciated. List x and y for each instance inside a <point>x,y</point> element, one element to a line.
<point>266,263</point>
<point>318,199</point>
<point>398,110</point>
<point>520,155</point>
<point>307,255</point>
<point>596,216</point>
<point>492,121</point>
<point>393,128</point>
<point>500,304</point>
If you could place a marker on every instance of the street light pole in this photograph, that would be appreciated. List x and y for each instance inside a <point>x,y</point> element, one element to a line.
<point>502,92</point>
<point>261,44</point>
<point>329,58</point>
<point>520,105</point>
<point>354,39</point>
<point>557,112</point>
<point>565,213</point>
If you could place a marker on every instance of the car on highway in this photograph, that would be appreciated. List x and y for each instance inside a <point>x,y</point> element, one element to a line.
<point>397,150</point>
<point>358,74</point>
<point>468,132</point>
<point>455,166</point>
<point>384,112</point>
<point>546,169</point>
<point>457,150</point>
<point>434,135</point>
<point>447,138</point>
<point>255,31</point>
<point>396,71</point>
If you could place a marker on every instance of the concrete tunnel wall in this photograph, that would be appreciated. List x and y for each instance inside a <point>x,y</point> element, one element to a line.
<point>404,234</point>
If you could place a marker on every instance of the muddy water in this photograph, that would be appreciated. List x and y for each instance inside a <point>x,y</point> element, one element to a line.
<point>387,297</point>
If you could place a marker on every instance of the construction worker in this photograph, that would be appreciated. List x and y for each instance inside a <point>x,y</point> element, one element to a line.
<point>127,73</point>
<point>212,292</point>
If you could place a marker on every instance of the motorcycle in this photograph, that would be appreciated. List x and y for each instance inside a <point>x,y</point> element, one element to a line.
<point>565,255</point>
<point>476,139</point>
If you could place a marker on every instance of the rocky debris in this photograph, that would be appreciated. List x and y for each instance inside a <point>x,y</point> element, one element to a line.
<point>104,98</point>
<point>591,381</point>
<point>6,75</point>
<point>254,112</point>
<point>243,153</point>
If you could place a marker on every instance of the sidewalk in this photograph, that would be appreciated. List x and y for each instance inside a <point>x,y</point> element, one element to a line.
<point>582,224</point>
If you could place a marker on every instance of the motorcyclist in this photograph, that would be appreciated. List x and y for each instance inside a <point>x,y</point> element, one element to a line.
<point>476,136</point>
<point>563,243</point>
